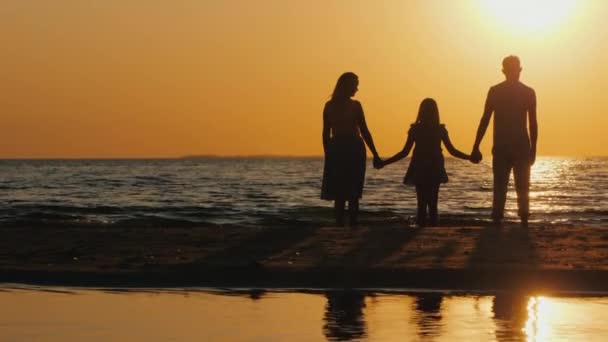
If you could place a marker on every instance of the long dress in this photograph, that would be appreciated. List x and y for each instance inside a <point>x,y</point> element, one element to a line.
<point>345,159</point>
<point>427,163</point>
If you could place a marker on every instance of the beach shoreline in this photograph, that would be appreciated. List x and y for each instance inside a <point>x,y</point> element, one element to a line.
<point>459,258</point>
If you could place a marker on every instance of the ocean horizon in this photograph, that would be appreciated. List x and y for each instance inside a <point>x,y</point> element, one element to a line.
<point>252,156</point>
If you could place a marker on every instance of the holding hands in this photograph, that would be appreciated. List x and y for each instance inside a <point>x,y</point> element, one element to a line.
<point>378,163</point>
<point>476,156</point>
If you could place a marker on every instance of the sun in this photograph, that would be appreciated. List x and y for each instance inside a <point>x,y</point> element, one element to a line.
<point>528,16</point>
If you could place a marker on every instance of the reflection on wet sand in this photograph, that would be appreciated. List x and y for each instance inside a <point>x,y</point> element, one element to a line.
<point>258,314</point>
<point>344,320</point>
<point>510,314</point>
<point>253,294</point>
<point>428,317</point>
<point>506,316</point>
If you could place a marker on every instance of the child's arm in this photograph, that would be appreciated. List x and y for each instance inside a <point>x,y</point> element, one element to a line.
<point>453,151</point>
<point>401,154</point>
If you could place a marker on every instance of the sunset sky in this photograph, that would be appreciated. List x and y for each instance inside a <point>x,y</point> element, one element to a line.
<point>134,78</point>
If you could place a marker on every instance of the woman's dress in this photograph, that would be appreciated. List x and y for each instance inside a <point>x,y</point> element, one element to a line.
<point>345,158</point>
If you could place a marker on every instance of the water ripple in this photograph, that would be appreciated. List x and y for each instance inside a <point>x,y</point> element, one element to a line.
<point>277,192</point>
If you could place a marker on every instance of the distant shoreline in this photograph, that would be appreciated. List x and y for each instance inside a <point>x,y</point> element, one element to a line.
<point>211,156</point>
<point>261,156</point>
<point>194,157</point>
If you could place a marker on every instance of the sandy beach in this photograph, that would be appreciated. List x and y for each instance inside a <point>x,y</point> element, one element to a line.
<point>468,258</point>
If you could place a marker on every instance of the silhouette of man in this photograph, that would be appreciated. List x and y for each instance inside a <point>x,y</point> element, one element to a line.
<point>514,107</point>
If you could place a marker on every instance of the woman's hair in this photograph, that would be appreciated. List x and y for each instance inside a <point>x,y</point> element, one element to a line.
<point>428,113</point>
<point>345,85</point>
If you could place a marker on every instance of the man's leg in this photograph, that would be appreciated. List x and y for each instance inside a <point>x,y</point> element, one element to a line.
<point>521,173</point>
<point>353,210</point>
<point>501,168</point>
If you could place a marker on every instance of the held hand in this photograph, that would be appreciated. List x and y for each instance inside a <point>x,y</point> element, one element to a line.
<point>378,163</point>
<point>476,156</point>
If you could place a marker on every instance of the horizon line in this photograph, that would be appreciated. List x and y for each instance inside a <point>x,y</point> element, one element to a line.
<point>238,156</point>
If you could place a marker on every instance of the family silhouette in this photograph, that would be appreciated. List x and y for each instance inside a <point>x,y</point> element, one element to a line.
<point>345,134</point>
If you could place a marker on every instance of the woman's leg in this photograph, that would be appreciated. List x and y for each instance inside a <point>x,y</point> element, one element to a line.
<point>353,210</point>
<point>433,196</point>
<point>422,203</point>
<point>339,212</point>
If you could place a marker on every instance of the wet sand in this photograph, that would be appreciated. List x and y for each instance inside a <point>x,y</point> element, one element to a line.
<point>466,258</point>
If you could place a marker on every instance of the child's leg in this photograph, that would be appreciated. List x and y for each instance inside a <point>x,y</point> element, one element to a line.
<point>339,212</point>
<point>433,197</point>
<point>422,203</point>
<point>353,210</point>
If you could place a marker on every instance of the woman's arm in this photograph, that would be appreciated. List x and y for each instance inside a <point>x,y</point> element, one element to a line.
<point>326,129</point>
<point>409,143</point>
<point>453,151</point>
<point>367,136</point>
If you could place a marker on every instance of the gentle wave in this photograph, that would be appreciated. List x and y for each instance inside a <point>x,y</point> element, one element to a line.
<point>225,216</point>
<point>277,192</point>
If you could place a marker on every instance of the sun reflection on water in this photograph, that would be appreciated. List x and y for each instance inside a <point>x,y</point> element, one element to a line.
<point>530,327</point>
<point>543,314</point>
<point>549,178</point>
<point>549,169</point>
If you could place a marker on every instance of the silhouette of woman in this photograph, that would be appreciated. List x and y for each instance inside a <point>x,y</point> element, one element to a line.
<point>344,316</point>
<point>344,170</point>
<point>426,170</point>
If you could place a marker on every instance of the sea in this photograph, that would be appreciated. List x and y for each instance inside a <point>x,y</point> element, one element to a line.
<point>285,193</point>
<point>278,192</point>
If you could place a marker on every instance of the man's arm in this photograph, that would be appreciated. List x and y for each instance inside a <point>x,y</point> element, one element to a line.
<point>483,126</point>
<point>533,125</point>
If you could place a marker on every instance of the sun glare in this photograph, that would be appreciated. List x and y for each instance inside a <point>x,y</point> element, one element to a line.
<point>528,16</point>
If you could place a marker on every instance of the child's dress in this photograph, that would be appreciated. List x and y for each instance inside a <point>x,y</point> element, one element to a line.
<point>427,164</point>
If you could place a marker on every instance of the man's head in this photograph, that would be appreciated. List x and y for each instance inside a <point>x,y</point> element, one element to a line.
<point>511,67</point>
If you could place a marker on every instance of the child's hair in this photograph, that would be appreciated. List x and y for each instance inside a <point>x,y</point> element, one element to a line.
<point>428,113</point>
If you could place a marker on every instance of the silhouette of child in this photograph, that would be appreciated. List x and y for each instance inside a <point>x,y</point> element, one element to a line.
<point>426,171</point>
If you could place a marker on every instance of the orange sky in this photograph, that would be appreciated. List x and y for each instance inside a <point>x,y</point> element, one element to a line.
<point>126,78</point>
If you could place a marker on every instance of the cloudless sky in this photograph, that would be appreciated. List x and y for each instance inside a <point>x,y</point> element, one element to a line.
<point>134,78</point>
